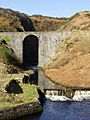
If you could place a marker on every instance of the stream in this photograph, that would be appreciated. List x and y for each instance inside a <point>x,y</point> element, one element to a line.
<point>61,111</point>
<point>58,110</point>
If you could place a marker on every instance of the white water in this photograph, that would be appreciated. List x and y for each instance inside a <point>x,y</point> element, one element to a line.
<point>81,95</point>
<point>78,96</point>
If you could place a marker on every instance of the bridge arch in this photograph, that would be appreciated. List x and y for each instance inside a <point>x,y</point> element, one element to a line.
<point>30,50</point>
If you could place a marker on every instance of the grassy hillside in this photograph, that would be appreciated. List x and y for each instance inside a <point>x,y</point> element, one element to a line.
<point>79,21</point>
<point>71,65</point>
<point>44,23</point>
<point>13,21</point>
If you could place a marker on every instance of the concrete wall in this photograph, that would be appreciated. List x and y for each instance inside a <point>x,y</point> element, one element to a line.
<point>48,43</point>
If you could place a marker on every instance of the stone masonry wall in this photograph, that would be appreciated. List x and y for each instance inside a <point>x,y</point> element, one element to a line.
<point>48,43</point>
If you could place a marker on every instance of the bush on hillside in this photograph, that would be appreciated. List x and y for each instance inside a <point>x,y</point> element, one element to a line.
<point>13,87</point>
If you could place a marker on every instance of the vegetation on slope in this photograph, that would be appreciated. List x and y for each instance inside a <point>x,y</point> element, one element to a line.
<point>13,91</point>
<point>79,21</point>
<point>7,55</point>
<point>8,72</point>
<point>13,21</point>
<point>44,23</point>
<point>29,94</point>
<point>71,65</point>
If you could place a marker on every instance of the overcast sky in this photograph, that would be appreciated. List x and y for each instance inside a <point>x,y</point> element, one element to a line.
<point>55,8</point>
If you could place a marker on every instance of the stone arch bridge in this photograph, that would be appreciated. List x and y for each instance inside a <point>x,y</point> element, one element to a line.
<point>35,48</point>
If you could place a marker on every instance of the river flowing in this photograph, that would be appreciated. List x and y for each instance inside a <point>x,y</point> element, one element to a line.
<point>59,110</point>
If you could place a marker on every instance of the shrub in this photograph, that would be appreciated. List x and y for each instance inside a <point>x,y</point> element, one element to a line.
<point>68,46</point>
<point>69,93</point>
<point>87,15</point>
<point>13,87</point>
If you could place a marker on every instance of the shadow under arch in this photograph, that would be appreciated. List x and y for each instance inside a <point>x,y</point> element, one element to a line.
<point>30,51</point>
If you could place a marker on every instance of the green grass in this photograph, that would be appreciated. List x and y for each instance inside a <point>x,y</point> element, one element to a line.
<point>11,100</point>
<point>29,94</point>
<point>7,55</point>
<point>6,38</point>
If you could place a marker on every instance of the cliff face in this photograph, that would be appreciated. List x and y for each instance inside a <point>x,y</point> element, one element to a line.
<point>12,21</point>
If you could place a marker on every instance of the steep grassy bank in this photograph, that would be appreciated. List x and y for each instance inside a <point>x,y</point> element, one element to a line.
<point>79,21</point>
<point>9,62</point>
<point>71,65</point>
<point>11,70</point>
<point>7,55</point>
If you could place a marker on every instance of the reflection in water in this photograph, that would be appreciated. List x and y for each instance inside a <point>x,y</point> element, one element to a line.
<point>34,78</point>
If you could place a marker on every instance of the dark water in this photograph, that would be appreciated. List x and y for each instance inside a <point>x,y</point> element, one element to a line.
<point>62,111</point>
<point>58,110</point>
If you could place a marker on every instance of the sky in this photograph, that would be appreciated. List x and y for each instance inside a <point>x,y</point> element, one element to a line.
<point>54,8</point>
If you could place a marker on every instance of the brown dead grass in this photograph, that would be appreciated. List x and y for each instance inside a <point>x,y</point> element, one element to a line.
<point>75,72</point>
<point>44,23</point>
<point>80,21</point>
